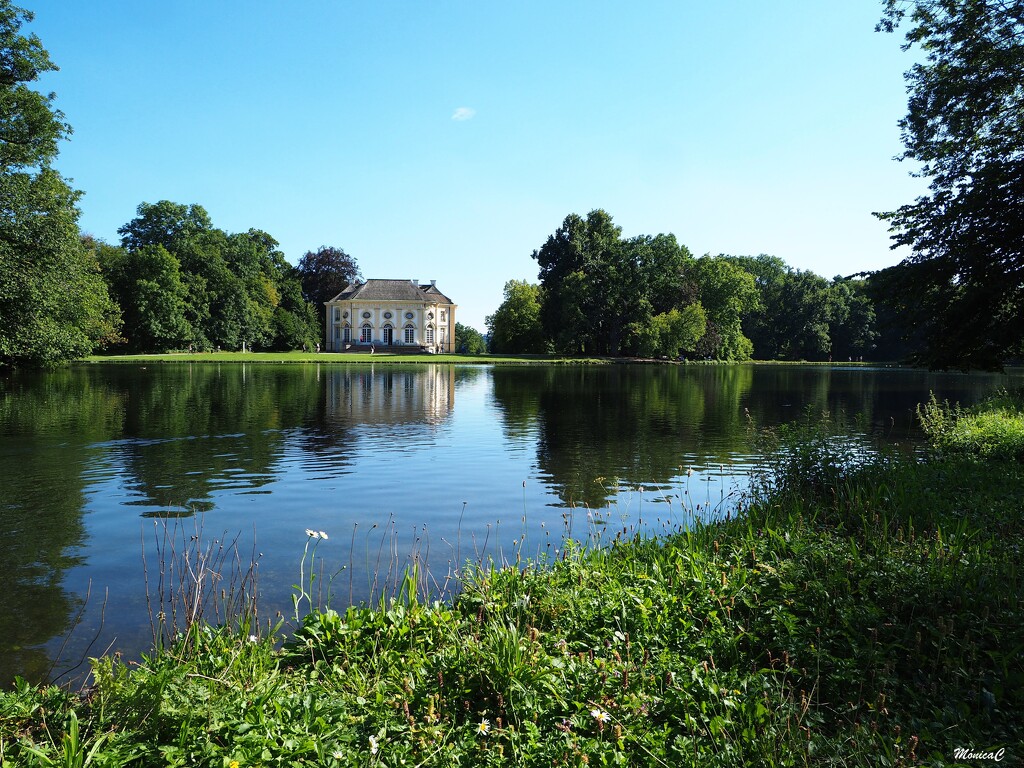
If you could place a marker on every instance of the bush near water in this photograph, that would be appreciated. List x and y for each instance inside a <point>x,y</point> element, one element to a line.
<point>864,609</point>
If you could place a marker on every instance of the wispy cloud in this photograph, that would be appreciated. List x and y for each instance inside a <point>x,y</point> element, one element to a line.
<point>463,113</point>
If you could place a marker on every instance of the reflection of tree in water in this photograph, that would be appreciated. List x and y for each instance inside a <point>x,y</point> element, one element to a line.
<point>784,393</point>
<point>192,430</point>
<point>41,503</point>
<point>601,426</point>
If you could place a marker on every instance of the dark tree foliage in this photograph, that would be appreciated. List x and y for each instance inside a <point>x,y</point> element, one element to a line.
<point>229,289</point>
<point>727,292</point>
<point>853,326</point>
<point>894,306</point>
<point>469,341</point>
<point>324,274</point>
<point>964,127</point>
<point>581,273</point>
<point>516,327</point>
<point>803,316</point>
<point>602,291</point>
<point>53,303</point>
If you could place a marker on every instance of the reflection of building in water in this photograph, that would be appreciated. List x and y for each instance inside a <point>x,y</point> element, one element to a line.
<point>392,394</point>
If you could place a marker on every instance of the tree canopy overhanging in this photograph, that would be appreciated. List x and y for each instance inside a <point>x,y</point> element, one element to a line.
<point>54,305</point>
<point>962,287</point>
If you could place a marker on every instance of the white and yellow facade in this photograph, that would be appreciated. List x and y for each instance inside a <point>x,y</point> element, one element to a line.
<point>391,314</point>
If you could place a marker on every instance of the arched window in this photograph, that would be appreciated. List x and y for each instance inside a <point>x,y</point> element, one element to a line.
<point>389,334</point>
<point>366,335</point>
<point>430,334</point>
<point>410,334</point>
<point>347,334</point>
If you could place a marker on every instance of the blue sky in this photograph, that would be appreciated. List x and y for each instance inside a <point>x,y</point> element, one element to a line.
<point>447,139</point>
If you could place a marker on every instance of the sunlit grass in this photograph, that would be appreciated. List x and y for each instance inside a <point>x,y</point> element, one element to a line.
<point>333,358</point>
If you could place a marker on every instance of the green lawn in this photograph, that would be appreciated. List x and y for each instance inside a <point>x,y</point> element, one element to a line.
<point>334,358</point>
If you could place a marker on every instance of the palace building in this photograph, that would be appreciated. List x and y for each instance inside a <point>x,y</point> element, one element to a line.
<point>394,315</point>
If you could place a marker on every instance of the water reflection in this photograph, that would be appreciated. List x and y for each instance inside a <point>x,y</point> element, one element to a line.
<point>597,428</point>
<point>457,461</point>
<point>42,494</point>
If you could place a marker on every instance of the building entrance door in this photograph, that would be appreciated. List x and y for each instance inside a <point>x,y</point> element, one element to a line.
<point>389,334</point>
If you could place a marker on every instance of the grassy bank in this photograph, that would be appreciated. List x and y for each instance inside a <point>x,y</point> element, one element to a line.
<point>862,610</point>
<point>333,358</point>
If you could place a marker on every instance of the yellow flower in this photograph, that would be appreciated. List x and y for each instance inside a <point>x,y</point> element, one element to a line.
<point>233,764</point>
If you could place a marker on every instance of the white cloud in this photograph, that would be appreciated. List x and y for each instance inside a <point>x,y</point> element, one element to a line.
<point>463,113</point>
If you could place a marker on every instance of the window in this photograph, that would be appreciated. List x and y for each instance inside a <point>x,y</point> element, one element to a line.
<point>337,314</point>
<point>389,334</point>
<point>348,333</point>
<point>366,335</point>
<point>410,335</point>
<point>430,334</point>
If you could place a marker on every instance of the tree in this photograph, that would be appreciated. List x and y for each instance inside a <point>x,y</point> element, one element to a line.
<point>964,127</point>
<point>580,273</point>
<point>171,225</point>
<point>515,327</point>
<point>468,340</point>
<point>669,333</point>
<point>852,330</point>
<point>53,303</point>
<point>602,291</point>
<point>727,292</point>
<point>238,287</point>
<point>325,273</point>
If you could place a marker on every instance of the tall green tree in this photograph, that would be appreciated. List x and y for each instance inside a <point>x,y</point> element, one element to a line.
<point>53,303</point>
<point>964,129</point>
<point>669,333</point>
<point>581,273</point>
<point>238,287</point>
<point>516,326</point>
<point>602,291</point>
<point>727,292</point>
<point>324,274</point>
<point>469,341</point>
<point>853,329</point>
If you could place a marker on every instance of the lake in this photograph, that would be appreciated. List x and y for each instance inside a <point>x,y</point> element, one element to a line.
<point>441,464</point>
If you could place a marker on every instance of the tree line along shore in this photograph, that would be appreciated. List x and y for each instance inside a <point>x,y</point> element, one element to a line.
<point>177,282</point>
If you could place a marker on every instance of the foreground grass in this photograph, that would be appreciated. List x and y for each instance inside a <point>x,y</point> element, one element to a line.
<point>383,358</point>
<point>861,611</point>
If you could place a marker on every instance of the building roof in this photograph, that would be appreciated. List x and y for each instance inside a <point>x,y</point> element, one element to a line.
<point>392,290</point>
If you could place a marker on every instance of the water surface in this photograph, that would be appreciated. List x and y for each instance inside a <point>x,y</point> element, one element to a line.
<point>444,463</point>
